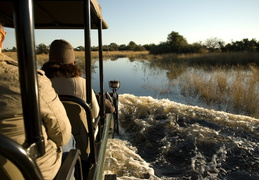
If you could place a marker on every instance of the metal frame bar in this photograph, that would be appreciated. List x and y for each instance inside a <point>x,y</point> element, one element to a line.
<point>20,158</point>
<point>98,174</point>
<point>24,29</point>
<point>102,109</point>
<point>87,13</point>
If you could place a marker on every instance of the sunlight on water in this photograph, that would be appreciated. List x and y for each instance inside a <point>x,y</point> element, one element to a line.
<point>168,140</point>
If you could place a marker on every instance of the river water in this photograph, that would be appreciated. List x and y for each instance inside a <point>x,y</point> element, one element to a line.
<point>164,135</point>
<point>136,77</point>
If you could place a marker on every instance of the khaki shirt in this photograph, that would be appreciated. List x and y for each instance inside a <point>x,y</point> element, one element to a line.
<point>56,127</point>
<point>75,86</point>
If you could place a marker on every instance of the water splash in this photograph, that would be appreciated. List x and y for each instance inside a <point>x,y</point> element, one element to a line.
<point>122,159</point>
<point>178,141</point>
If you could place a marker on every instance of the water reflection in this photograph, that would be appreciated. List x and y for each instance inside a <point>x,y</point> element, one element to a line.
<point>136,78</point>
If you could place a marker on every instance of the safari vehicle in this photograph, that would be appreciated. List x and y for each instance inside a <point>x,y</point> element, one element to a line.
<point>25,16</point>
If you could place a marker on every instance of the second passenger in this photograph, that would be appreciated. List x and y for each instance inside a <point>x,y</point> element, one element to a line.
<point>65,75</point>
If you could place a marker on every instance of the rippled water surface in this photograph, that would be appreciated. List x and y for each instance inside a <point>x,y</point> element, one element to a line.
<point>182,142</point>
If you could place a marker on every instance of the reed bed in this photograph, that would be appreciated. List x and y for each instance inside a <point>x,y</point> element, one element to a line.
<point>233,90</point>
<point>211,59</point>
<point>222,81</point>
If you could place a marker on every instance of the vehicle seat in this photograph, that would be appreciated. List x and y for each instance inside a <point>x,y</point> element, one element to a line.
<point>77,117</point>
<point>77,114</point>
<point>8,170</point>
<point>15,163</point>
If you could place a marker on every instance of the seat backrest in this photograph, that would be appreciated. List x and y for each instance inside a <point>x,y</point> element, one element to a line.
<point>80,118</point>
<point>15,163</point>
<point>8,170</point>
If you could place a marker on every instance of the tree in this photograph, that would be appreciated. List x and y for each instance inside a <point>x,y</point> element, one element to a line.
<point>176,42</point>
<point>14,49</point>
<point>10,50</point>
<point>113,47</point>
<point>196,47</point>
<point>95,48</point>
<point>80,48</point>
<point>162,48</point>
<point>132,45</point>
<point>139,48</point>
<point>244,45</point>
<point>249,45</point>
<point>122,47</point>
<point>148,46</point>
<point>214,44</point>
<point>42,49</point>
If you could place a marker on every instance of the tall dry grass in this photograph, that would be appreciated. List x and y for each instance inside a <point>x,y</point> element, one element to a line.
<point>12,55</point>
<point>211,59</point>
<point>80,55</point>
<point>228,81</point>
<point>235,90</point>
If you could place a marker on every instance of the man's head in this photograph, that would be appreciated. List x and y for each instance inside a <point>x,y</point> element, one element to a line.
<point>2,36</point>
<point>61,52</point>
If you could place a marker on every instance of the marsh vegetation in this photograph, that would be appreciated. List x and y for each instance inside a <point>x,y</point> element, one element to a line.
<point>225,81</point>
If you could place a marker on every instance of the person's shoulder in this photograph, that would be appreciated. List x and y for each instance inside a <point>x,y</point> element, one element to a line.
<point>42,78</point>
<point>5,60</point>
<point>8,67</point>
<point>79,78</point>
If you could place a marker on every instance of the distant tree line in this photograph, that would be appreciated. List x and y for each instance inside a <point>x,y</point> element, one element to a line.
<point>132,46</point>
<point>175,43</point>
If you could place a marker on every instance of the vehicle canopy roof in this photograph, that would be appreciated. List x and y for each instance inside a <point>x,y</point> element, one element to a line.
<point>56,14</point>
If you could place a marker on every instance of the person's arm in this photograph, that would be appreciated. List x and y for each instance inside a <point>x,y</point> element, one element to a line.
<point>53,112</point>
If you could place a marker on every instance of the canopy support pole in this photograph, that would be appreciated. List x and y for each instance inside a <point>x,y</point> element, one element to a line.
<point>24,29</point>
<point>87,10</point>
<point>102,109</point>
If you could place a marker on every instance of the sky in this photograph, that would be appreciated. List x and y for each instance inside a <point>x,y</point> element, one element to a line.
<point>151,21</point>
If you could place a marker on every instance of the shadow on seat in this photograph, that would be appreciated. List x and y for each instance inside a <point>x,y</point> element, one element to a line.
<point>16,164</point>
<point>80,116</point>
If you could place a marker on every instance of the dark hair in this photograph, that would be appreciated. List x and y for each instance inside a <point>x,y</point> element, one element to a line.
<point>68,70</point>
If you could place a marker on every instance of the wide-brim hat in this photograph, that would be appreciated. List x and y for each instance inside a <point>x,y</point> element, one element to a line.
<point>61,52</point>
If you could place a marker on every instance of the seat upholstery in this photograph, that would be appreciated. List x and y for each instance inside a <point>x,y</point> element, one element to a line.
<point>8,170</point>
<point>78,120</point>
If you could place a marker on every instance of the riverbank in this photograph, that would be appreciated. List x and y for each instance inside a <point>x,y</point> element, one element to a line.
<point>201,59</point>
<point>95,54</point>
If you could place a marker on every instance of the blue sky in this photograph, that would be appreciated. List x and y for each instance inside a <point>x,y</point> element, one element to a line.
<point>150,21</point>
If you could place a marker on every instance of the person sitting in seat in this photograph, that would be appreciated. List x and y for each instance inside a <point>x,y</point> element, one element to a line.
<point>66,78</point>
<point>65,75</point>
<point>56,127</point>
